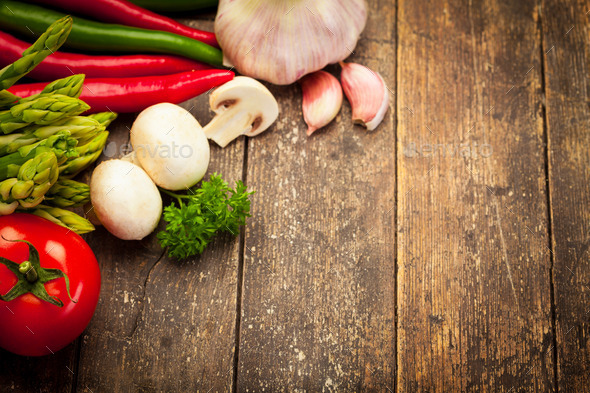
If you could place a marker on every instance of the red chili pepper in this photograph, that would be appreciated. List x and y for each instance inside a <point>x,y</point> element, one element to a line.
<point>129,14</point>
<point>62,64</point>
<point>125,95</point>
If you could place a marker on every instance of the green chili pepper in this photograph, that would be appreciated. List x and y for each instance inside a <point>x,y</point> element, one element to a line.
<point>90,35</point>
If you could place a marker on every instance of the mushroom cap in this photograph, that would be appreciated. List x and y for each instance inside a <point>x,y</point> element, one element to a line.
<point>171,146</point>
<point>125,199</point>
<point>246,96</point>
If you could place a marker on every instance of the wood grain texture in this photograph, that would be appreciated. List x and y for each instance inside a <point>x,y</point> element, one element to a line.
<point>319,289</point>
<point>47,374</point>
<point>318,292</point>
<point>566,28</point>
<point>161,324</point>
<point>473,281</point>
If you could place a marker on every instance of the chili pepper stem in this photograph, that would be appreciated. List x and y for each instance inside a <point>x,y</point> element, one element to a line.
<point>29,271</point>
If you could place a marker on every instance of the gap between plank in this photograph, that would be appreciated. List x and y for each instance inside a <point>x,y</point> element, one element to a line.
<point>77,363</point>
<point>395,200</point>
<point>548,195</point>
<point>240,278</point>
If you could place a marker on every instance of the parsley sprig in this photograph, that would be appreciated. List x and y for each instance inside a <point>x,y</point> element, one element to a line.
<point>201,213</point>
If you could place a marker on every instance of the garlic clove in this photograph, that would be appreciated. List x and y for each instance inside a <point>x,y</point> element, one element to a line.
<point>367,93</point>
<point>322,99</point>
<point>280,41</point>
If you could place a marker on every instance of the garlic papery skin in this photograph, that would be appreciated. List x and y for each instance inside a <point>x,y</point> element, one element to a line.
<point>280,41</point>
<point>322,99</point>
<point>367,93</point>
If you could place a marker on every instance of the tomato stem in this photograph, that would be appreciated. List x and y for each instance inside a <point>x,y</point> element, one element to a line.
<point>29,271</point>
<point>32,277</point>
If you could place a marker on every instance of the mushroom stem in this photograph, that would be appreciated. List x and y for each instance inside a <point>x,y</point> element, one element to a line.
<point>242,106</point>
<point>228,125</point>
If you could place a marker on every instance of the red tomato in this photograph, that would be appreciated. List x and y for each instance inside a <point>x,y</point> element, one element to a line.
<point>33,327</point>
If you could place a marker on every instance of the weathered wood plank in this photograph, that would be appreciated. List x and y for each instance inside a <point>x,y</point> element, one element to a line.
<point>566,37</point>
<point>319,280</point>
<point>164,325</point>
<point>47,374</point>
<point>160,325</point>
<point>473,280</point>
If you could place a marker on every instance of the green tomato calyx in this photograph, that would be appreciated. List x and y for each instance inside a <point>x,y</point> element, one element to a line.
<point>32,278</point>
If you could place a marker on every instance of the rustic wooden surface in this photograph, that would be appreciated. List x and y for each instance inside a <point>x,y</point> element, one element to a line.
<point>567,65</point>
<point>163,325</point>
<point>474,293</point>
<point>445,251</point>
<point>319,266</point>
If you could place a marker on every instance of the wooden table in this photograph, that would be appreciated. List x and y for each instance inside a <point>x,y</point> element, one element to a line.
<point>446,251</point>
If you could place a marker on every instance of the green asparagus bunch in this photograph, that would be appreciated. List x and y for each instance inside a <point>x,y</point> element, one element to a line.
<point>68,193</point>
<point>65,218</point>
<point>44,141</point>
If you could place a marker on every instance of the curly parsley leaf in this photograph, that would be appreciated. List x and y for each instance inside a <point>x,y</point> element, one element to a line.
<point>201,213</point>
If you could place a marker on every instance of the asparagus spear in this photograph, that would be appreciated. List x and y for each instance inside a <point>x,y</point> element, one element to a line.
<point>43,110</point>
<point>11,142</point>
<point>34,178</point>
<point>65,218</point>
<point>104,118</point>
<point>49,42</point>
<point>70,86</point>
<point>47,109</point>
<point>68,193</point>
<point>7,99</point>
<point>61,145</point>
<point>80,127</point>
<point>45,45</point>
<point>87,154</point>
<point>10,124</point>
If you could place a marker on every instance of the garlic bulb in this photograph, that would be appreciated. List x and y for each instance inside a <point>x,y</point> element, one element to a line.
<point>280,41</point>
<point>367,93</point>
<point>322,99</point>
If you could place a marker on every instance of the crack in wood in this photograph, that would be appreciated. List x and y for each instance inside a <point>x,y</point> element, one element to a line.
<point>143,298</point>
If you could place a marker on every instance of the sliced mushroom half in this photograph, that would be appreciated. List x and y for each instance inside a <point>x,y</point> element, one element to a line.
<point>242,106</point>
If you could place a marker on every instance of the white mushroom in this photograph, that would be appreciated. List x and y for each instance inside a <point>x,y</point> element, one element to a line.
<point>243,106</point>
<point>125,199</point>
<point>170,145</point>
